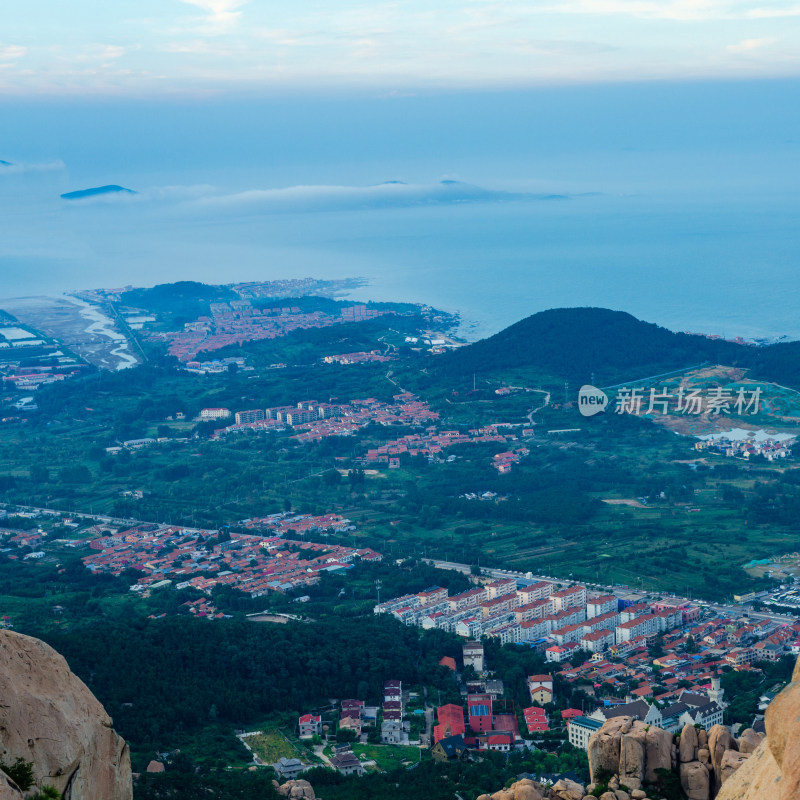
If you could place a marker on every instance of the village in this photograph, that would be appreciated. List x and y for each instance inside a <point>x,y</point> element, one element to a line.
<point>314,421</point>
<point>252,563</point>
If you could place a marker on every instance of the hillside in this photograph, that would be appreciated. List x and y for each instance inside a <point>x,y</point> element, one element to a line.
<point>575,343</point>
<point>179,302</point>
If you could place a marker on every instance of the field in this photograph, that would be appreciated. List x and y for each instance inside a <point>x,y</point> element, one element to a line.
<point>272,745</point>
<point>388,757</point>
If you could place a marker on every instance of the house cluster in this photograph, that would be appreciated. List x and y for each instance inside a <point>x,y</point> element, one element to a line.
<point>682,685</point>
<point>355,715</point>
<point>770,449</point>
<point>314,421</point>
<point>703,709</point>
<point>503,462</point>
<point>302,524</point>
<point>34,361</point>
<point>239,321</point>
<point>430,444</point>
<point>485,720</point>
<point>361,357</point>
<point>181,557</point>
<point>216,366</point>
<point>560,621</point>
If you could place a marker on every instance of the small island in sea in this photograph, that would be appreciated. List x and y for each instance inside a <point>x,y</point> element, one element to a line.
<point>97,191</point>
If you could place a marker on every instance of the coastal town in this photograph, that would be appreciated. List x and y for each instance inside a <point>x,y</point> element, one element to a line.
<point>240,321</point>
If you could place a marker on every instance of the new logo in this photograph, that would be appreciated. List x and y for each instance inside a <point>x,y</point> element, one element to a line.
<point>591,400</point>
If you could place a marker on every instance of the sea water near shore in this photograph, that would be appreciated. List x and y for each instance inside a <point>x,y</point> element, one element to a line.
<point>725,268</point>
<point>679,201</point>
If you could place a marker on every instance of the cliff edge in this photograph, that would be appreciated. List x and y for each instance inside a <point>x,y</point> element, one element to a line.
<point>773,769</point>
<point>50,718</point>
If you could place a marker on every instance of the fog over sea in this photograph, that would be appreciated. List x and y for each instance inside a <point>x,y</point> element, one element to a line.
<point>675,202</point>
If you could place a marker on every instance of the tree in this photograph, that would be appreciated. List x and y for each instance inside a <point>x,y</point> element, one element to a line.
<point>332,477</point>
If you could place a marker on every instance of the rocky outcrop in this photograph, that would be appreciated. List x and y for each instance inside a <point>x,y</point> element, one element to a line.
<point>635,754</point>
<point>695,780</point>
<point>772,770</point>
<point>8,789</point>
<point>521,790</point>
<point>49,717</point>
<point>296,790</point>
<point>720,741</point>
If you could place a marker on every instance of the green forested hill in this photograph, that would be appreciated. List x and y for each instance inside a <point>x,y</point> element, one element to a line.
<point>575,343</point>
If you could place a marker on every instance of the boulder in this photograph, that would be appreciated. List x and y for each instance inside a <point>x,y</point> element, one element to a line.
<point>749,741</point>
<point>631,759</point>
<point>695,780</point>
<point>719,740</point>
<point>703,756</point>
<point>155,766</point>
<point>658,752</point>
<point>731,761</point>
<point>621,794</point>
<point>297,790</point>
<point>526,790</point>
<point>608,796</point>
<point>604,746</point>
<point>49,717</point>
<point>503,794</point>
<point>759,778</point>
<point>638,794</point>
<point>702,738</point>
<point>568,790</point>
<point>8,789</point>
<point>688,746</point>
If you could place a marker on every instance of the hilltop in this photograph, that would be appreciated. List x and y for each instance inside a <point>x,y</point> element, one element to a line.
<point>575,343</point>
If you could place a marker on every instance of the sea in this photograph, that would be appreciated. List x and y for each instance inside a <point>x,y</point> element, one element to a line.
<point>675,202</point>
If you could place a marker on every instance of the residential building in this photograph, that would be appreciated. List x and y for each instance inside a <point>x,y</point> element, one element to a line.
<point>214,413</point>
<point>309,725</point>
<point>541,688</point>
<point>473,655</point>
<point>246,417</point>
<point>347,763</point>
<point>579,729</point>
<point>450,722</point>
<point>452,748</point>
<point>288,768</point>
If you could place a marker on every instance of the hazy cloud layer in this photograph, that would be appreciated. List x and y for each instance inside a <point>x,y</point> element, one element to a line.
<point>209,45</point>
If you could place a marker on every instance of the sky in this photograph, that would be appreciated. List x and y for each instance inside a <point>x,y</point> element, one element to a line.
<point>272,139</point>
<point>152,47</point>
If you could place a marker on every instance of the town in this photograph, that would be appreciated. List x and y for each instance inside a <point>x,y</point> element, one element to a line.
<point>252,563</point>
<point>240,321</point>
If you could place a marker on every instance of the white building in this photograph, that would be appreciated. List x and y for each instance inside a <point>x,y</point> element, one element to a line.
<point>580,729</point>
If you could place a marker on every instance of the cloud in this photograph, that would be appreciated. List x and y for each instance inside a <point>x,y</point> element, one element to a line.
<point>773,13</point>
<point>12,52</point>
<point>748,45</point>
<point>392,194</point>
<point>16,168</point>
<point>222,14</point>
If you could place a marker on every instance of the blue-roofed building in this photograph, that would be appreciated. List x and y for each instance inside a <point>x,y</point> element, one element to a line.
<point>580,729</point>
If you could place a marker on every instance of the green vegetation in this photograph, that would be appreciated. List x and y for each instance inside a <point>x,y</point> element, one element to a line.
<point>271,745</point>
<point>177,303</point>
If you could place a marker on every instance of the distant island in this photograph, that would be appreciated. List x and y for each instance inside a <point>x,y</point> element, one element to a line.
<point>97,191</point>
<point>5,163</point>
